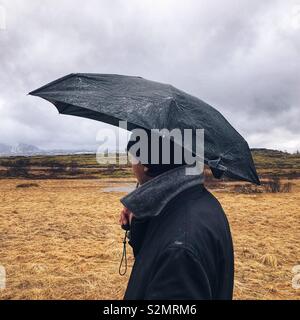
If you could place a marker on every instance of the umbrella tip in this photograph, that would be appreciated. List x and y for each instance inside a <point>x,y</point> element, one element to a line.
<point>32,93</point>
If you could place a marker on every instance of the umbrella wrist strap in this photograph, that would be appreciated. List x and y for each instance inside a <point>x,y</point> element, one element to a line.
<point>124,257</point>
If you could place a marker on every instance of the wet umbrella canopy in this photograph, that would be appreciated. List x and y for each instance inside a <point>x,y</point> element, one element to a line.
<point>152,105</point>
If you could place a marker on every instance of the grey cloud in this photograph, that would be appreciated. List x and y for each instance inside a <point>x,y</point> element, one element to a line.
<point>240,56</point>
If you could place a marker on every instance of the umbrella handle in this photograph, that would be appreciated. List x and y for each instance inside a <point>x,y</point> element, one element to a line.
<point>126,227</point>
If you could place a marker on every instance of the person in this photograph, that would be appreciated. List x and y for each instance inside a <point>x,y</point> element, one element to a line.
<point>179,234</point>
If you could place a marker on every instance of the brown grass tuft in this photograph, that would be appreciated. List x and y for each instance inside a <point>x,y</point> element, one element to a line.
<point>269,260</point>
<point>27,185</point>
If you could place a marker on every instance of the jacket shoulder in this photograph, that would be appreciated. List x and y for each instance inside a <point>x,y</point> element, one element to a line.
<point>197,219</point>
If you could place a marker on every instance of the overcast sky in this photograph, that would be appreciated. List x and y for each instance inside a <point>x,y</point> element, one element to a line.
<point>242,57</point>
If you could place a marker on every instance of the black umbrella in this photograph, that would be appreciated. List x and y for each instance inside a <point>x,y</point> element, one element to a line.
<point>152,105</point>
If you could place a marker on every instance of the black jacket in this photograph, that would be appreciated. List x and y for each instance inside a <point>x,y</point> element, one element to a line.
<point>181,241</point>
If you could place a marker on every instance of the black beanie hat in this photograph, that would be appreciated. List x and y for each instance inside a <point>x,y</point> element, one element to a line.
<point>158,168</point>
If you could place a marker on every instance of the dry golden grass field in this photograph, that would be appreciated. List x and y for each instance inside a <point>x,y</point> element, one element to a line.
<point>60,239</point>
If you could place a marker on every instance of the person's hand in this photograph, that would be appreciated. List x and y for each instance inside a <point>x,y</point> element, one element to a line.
<point>125,217</point>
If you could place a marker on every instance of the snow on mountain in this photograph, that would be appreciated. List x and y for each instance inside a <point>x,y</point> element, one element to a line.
<point>23,149</point>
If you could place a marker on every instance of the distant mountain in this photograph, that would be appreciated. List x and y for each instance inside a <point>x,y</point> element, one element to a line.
<point>269,152</point>
<point>19,149</point>
<point>23,149</point>
<point>4,148</point>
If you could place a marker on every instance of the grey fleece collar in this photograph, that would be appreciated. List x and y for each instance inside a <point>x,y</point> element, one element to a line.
<point>151,198</point>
